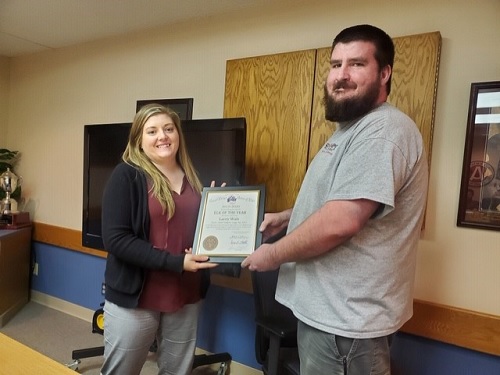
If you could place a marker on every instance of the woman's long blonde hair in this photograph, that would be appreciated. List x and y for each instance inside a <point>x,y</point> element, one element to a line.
<point>135,156</point>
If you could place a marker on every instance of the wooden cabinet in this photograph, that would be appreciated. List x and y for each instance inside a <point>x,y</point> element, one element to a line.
<point>414,87</point>
<point>274,94</point>
<point>281,97</point>
<point>15,250</point>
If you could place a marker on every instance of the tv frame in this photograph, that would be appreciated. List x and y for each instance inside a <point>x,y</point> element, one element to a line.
<point>93,240</point>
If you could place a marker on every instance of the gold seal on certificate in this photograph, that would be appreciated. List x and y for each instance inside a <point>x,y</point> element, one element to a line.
<point>210,243</point>
<point>228,223</point>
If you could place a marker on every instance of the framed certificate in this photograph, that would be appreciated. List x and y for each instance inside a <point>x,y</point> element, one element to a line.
<point>227,230</point>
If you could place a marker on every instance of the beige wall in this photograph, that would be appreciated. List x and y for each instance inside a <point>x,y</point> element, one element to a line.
<point>54,94</point>
<point>4,99</point>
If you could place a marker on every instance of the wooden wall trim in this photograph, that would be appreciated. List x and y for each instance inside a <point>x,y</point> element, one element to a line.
<point>63,237</point>
<point>460,327</point>
<point>71,239</point>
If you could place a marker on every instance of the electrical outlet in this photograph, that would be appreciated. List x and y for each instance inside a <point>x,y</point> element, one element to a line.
<point>35,269</point>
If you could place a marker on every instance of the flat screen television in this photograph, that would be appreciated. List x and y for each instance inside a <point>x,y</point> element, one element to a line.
<point>217,148</point>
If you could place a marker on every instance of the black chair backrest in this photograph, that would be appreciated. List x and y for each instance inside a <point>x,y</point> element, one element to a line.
<point>264,289</point>
<point>267,308</point>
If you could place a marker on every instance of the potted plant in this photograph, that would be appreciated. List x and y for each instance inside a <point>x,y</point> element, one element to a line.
<point>8,159</point>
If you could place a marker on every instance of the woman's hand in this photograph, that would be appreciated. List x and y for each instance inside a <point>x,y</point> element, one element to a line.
<point>193,263</point>
<point>212,184</point>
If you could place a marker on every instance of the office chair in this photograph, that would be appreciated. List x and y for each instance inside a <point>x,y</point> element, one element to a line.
<point>276,326</point>
<point>224,359</point>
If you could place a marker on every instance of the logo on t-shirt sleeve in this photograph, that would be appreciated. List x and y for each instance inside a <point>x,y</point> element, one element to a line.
<point>329,147</point>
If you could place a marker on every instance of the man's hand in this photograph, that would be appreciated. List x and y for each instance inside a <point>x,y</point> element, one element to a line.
<point>262,259</point>
<point>273,223</point>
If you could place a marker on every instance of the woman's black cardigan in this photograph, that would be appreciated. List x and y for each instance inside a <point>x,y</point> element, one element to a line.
<point>125,233</point>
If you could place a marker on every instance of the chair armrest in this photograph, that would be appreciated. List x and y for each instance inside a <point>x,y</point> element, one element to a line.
<point>281,334</point>
<point>277,327</point>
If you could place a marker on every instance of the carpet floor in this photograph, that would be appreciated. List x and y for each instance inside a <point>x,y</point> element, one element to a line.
<point>56,334</point>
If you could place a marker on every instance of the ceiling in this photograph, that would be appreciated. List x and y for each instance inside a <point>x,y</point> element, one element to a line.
<point>30,26</point>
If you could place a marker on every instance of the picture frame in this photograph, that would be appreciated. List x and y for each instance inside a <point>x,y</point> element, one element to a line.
<point>479,203</point>
<point>227,229</point>
<point>182,106</point>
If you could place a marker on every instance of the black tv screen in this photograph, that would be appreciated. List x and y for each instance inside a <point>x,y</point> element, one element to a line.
<point>217,148</point>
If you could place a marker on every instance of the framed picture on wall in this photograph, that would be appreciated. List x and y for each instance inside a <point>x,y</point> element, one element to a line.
<point>479,204</point>
<point>182,106</point>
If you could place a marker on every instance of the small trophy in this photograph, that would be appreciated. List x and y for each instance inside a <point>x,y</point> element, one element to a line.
<point>8,183</point>
<point>9,215</point>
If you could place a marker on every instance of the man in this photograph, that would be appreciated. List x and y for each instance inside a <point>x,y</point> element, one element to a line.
<point>347,263</point>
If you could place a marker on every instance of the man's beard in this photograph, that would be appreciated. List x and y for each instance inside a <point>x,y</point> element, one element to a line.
<point>350,108</point>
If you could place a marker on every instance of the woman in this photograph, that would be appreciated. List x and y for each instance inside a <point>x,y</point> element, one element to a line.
<point>149,212</point>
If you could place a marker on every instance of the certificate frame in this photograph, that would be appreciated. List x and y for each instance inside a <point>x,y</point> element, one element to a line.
<point>227,229</point>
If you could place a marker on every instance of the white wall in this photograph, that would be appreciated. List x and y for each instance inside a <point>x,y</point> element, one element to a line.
<point>53,94</point>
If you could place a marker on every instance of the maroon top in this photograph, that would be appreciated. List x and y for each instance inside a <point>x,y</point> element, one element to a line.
<point>168,291</point>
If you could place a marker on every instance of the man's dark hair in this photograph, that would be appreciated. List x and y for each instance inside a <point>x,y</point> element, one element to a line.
<point>384,47</point>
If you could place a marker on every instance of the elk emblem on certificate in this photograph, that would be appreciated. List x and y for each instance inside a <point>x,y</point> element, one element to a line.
<point>227,230</point>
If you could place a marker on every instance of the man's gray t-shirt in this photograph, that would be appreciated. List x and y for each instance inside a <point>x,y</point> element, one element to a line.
<point>364,287</point>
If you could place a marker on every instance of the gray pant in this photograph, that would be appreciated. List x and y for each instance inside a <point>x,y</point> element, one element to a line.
<point>325,353</point>
<point>129,333</point>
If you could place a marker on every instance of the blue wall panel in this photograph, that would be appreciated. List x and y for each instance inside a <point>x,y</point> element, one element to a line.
<point>227,325</point>
<point>72,276</point>
<point>413,355</point>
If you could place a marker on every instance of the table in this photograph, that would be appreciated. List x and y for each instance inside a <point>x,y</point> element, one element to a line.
<point>18,359</point>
